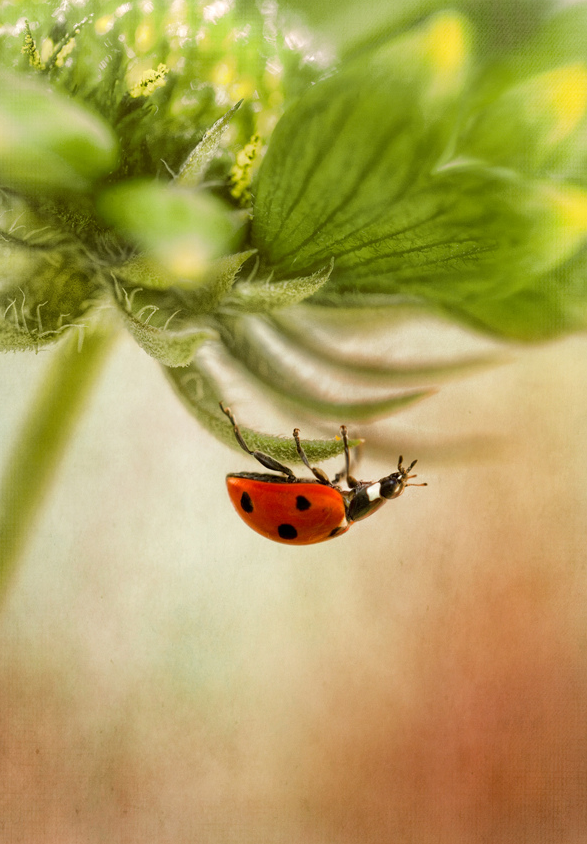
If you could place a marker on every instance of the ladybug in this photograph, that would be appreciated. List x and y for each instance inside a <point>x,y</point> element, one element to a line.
<point>301,511</point>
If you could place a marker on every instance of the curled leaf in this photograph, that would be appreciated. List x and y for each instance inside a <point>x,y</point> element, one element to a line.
<point>298,332</point>
<point>267,365</point>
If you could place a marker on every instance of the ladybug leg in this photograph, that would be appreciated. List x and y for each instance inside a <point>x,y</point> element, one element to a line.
<point>318,473</point>
<point>264,459</point>
<point>352,482</point>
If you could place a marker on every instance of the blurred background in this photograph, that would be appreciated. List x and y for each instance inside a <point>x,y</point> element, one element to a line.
<point>167,675</point>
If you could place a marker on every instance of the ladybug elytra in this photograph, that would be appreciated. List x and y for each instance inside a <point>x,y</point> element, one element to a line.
<point>302,511</point>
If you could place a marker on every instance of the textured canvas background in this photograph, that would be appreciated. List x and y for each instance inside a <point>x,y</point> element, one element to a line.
<point>168,676</point>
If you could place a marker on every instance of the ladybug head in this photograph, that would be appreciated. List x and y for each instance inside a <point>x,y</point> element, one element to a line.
<point>393,485</point>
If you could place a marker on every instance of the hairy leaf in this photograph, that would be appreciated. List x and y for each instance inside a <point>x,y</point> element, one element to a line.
<point>168,347</point>
<point>220,279</point>
<point>43,293</point>
<point>255,297</point>
<point>196,164</point>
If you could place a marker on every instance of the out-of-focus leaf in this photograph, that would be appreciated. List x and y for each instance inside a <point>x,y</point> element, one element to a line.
<point>559,40</point>
<point>533,125</point>
<point>392,375</point>
<point>47,142</point>
<point>528,315</point>
<point>196,164</point>
<point>200,393</point>
<point>220,276</point>
<point>256,297</point>
<point>147,271</point>
<point>184,231</point>
<point>356,24</point>
<point>283,378</point>
<point>355,145</point>
<point>557,304</point>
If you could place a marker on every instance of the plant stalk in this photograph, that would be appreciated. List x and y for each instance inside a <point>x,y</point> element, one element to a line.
<point>42,441</point>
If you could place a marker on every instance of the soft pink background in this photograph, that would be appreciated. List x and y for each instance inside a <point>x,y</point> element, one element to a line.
<point>166,675</point>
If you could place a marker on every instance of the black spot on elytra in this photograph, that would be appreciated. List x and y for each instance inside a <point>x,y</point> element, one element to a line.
<point>287,531</point>
<point>302,503</point>
<point>246,502</point>
<point>335,531</point>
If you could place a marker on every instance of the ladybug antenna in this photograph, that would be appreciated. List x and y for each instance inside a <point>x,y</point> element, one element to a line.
<point>401,469</point>
<point>405,473</point>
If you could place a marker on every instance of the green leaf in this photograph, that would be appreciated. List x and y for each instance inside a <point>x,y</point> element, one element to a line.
<point>528,315</point>
<point>558,41</point>
<point>470,232</point>
<point>196,164</point>
<point>256,297</point>
<point>13,338</point>
<point>146,271</point>
<point>200,393</point>
<point>181,230</point>
<point>355,144</point>
<point>272,368</point>
<point>47,142</point>
<point>356,25</point>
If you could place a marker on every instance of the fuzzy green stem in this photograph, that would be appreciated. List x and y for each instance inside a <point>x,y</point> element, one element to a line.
<point>41,443</point>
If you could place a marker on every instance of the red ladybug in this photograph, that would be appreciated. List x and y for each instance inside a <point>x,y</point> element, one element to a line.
<point>301,511</point>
